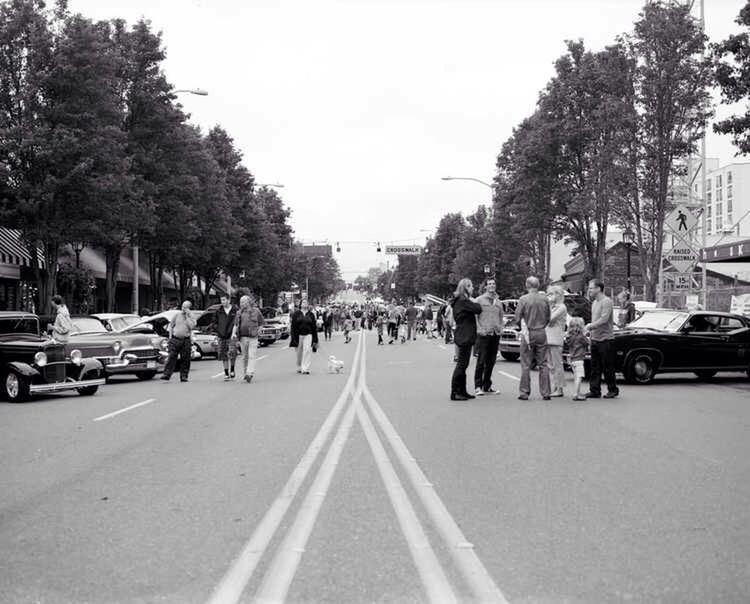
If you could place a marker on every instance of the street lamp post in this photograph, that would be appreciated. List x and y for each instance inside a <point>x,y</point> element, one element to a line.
<point>195,91</point>
<point>481,182</point>
<point>627,239</point>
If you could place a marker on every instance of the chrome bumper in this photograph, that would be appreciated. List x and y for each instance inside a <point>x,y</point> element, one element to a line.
<point>37,388</point>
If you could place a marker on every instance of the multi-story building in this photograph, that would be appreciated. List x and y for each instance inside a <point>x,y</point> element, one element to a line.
<point>727,201</point>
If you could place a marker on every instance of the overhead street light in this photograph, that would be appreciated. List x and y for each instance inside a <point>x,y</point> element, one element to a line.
<point>481,182</point>
<point>275,185</point>
<point>195,91</point>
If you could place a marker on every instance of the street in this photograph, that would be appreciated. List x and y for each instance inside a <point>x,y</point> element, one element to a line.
<point>213,491</point>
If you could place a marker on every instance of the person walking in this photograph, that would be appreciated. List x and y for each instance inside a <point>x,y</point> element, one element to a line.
<point>411,313</point>
<point>180,343</point>
<point>223,327</point>
<point>304,337</point>
<point>247,324</point>
<point>428,319</point>
<point>627,309</point>
<point>328,324</point>
<point>556,338</point>
<point>533,310</point>
<point>392,321</point>
<point>60,329</point>
<point>465,311</point>
<point>601,333</point>
<point>489,328</point>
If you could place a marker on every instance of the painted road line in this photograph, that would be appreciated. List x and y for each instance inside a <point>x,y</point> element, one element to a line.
<point>230,589</point>
<point>113,414</point>
<point>509,375</point>
<point>462,551</point>
<point>213,377</point>
<point>280,575</point>
<point>433,577</point>
<point>442,346</point>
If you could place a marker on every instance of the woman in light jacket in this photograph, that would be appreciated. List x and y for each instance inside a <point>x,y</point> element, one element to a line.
<point>304,336</point>
<point>555,338</point>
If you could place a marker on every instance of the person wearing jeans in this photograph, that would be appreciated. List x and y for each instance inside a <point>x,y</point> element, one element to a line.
<point>304,337</point>
<point>556,338</point>
<point>465,311</point>
<point>489,327</point>
<point>533,310</point>
<point>601,332</point>
<point>247,324</point>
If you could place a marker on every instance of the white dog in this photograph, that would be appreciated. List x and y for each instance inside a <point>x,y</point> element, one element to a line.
<point>335,365</point>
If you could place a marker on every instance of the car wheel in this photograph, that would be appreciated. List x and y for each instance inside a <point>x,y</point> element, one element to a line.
<point>16,387</point>
<point>705,374</point>
<point>88,390</point>
<point>510,356</point>
<point>145,375</point>
<point>641,369</point>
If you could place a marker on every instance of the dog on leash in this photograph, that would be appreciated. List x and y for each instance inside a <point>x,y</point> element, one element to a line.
<point>335,365</point>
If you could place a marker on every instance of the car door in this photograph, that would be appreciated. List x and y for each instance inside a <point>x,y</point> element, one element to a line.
<point>700,344</point>
<point>734,342</point>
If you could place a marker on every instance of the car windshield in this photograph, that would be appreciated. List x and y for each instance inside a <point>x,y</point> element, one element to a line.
<point>120,323</point>
<point>27,325</point>
<point>88,325</point>
<point>664,321</point>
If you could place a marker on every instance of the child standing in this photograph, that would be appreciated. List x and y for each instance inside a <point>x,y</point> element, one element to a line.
<point>380,324</point>
<point>578,346</point>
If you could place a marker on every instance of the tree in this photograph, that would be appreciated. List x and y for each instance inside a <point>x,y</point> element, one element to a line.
<point>435,265</point>
<point>406,277</point>
<point>477,249</point>
<point>670,93</point>
<point>587,112</point>
<point>733,78</point>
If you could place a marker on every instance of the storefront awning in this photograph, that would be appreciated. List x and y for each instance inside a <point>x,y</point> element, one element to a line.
<point>14,251</point>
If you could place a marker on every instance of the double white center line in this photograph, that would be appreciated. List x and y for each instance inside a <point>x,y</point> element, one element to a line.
<point>277,580</point>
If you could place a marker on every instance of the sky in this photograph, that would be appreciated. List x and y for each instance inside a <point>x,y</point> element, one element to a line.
<point>359,107</point>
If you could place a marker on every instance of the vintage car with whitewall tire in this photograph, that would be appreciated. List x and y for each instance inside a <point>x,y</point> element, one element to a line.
<point>142,355</point>
<point>32,364</point>
<point>668,341</point>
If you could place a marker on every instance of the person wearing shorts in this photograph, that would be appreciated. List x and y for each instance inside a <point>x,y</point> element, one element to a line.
<point>223,327</point>
<point>578,346</point>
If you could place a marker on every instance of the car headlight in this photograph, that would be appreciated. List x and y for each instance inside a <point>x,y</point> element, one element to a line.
<point>117,346</point>
<point>40,359</point>
<point>164,343</point>
<point>76,357</point>
<point>156,342</point>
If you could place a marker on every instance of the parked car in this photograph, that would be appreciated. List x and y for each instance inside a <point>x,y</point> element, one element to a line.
<point>204,337</point>
<point>269,334</point>
<point>142,355</point>
<point>114,321</point>
<point>277,318</point>
<point>157,325</point>
<point>670,341</point>
<point>34,364</point>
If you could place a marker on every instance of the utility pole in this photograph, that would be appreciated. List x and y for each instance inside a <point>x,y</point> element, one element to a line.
<point>704,201</point>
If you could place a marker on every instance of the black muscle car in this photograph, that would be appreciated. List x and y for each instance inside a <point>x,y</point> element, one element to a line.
<point>33,364</point>
<point>669,341</point>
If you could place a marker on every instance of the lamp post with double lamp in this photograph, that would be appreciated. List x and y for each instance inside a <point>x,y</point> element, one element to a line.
<point>627,239</point>
<point>135,246</point>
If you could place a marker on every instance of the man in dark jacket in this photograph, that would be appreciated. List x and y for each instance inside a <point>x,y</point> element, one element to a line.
<point>411,321</point>
<point>304,336</point>
<point>223,326</point>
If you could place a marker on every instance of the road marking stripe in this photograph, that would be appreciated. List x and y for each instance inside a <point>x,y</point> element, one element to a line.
<point>433,578</point>
<point>280,574</point>
<point>476,575</point>
<point>442,346</point>
<point>213,377</point>
<point>113,414</point>
<point>235,580</point>
<point>509,375</point>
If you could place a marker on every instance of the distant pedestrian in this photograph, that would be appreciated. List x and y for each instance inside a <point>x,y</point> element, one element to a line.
<point>448,323</point>
<point>411,321</point>
<point>429,318</point>
<point>489,328</point>
<point>627,309</point>
<point>380,322</point>
<point>601,332</point>
<point>533,310</point>
<point>440,319</point>
<point>304,337</point>
<point>328,324</point>
<point>392,321</point>
<point>556,338</point>
<point>247,324</point>
<point>224,327</point>
<point>180,343</point>
<point>348,325</point>
<point>465,312</point>
<point>578,346</point>
<point>60,329</point>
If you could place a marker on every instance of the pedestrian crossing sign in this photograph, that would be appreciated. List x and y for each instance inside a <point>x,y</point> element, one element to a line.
<point>681,221</point>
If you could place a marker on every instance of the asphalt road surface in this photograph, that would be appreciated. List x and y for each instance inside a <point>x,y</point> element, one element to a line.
<point>371,486</point>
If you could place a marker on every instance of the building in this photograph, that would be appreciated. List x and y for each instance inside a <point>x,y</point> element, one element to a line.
<point>727,200</point>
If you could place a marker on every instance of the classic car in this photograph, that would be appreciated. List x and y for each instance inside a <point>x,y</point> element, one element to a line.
<point>157,325</point>
<point>115,321</point>
<point>510,337</point>
<point>269,334</point>
<point>33,364</point>
<point>274,317</point>
<point>671,341</point>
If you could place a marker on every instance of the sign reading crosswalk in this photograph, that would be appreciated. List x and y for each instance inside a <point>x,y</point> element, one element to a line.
<point>403,250</point>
